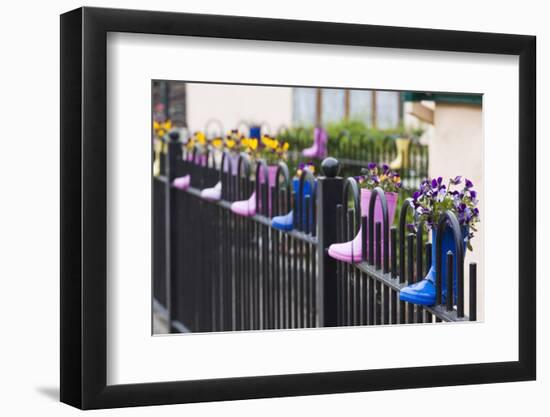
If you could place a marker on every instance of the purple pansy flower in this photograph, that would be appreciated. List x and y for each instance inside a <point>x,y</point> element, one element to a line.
<point>380,176</point>
<point>434,197</point>
<point>456,180</point>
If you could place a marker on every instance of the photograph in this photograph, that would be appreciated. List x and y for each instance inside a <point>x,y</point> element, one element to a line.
<point>280,207</point>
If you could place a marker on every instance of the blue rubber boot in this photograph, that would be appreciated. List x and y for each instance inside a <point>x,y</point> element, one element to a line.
<point>286,221</point>
<point>423,292</point>
<point>255,132</point>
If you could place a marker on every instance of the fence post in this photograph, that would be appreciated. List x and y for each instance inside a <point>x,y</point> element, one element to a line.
<point>174,152</point>
<point>329,196</point>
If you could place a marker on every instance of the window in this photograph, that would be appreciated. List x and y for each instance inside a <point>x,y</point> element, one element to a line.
<point>361,105</point>
<point>382,109</point>
<point>304,106</point>
<point>333,105</point>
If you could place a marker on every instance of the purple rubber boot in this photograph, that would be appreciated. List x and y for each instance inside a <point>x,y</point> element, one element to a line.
<point>351,252</point>
<point>248,207</point>
<point>319,148</point>
<point>182,183</point>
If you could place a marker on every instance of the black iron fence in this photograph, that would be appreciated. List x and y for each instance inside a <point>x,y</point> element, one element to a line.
<point>216,270</point>
<point>391,258</point>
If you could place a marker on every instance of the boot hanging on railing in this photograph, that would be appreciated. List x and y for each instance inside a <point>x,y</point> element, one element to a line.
<point>450,228</point>
<point>232,142</point>
<point>373,177</point>
<point>402,159</point>
<point>249,207</point>
<point>213,193</point>
<point>228,164</point>
<point>193,157</point>
<point>160,129</point>
<point>319,148</point>
<point>286,222</point>
<point>181,183</point>
<point>157,149</point>
<point>267,149</point>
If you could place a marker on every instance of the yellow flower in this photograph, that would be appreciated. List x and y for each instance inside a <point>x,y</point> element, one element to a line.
<point>217,143</point>
<point>161,128</point>
<point>230,143</point>
<point>270,143</point>
<point>252,144</point>
<point>190,143</point>
<point>286,146</point>
<point>200,137</point>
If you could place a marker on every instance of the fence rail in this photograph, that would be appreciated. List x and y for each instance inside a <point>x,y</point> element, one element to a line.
<point>215,270</point>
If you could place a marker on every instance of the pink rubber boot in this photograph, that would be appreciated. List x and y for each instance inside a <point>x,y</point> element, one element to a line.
<point>319,147</point>
<point>322,141</point>
<point>232,161</point>
<point>182,183</point>
<point>245,207</point>
<point>213,193</point>
<point>351,252</point>
<point>271,179</point>
<point>248,207</point>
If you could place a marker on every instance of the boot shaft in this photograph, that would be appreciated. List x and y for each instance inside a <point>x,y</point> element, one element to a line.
<point>447,244</point>
<point>391,200</point>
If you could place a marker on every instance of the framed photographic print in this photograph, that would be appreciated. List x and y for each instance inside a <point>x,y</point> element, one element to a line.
<point>256,208</point>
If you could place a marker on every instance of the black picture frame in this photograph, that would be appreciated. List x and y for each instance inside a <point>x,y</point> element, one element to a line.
<point>84,207</point>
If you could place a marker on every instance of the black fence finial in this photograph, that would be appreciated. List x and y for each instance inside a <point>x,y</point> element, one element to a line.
<point>330,167</point>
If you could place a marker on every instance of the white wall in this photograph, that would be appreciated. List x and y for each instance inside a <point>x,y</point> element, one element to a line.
<point>29,213</point>
<point>232,104</point>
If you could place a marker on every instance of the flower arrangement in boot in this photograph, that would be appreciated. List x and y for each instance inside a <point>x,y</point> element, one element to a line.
<point>232,142</point>
<point>198,139</point>
<point>431,200</point>
<point>286,222</point>
<point>371,177</point>
<point>217,143</point>
<point>161,128</point>
<point>214,193</point>
<point>250,147</point>
<point>307,166</point>
<point>272,151</point>
<point>159,145</point>
<point>237,142</point>
<point>379,176</point>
